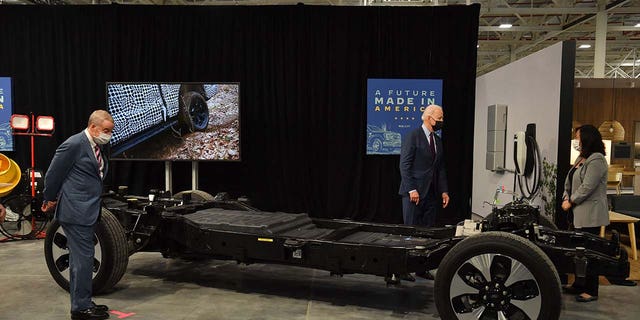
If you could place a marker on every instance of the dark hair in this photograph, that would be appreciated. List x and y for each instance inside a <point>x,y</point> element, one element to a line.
<point>591,141</point>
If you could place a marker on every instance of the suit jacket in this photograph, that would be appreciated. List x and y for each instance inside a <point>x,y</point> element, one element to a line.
<point>418,167</point>
<point>74,180</point>
<point>589,193</point>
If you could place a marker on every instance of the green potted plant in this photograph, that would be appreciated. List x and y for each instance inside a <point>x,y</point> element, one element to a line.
<point>548,188</point>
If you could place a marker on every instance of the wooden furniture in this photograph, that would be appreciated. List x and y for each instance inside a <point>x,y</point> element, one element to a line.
<point>614,177</point>
<point>615,217</point>
<point>630,173</point>
<point>635,181</point>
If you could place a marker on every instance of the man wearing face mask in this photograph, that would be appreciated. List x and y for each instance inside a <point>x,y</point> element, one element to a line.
<point>73,185</point>
<point>424,180</point>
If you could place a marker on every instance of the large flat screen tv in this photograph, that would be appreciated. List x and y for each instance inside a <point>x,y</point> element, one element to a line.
<point>175,121</point>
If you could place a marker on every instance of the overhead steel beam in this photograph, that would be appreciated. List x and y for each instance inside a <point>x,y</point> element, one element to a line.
<point>590,64</point>
<point>556,29</point>
<point>553,11</point>
<point>525,42</point>
<point>584,57</point>
<point>520,28</point>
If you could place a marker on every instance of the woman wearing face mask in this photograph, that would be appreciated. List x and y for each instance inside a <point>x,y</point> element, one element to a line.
<point>585,194</point>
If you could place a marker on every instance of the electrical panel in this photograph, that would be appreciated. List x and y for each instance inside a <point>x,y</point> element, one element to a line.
<point>496,137</point>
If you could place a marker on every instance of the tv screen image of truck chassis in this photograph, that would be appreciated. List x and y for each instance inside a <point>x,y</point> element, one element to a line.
<point>175,121</point>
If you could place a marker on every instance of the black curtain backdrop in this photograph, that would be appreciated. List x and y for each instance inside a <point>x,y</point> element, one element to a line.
<point>303,72</point>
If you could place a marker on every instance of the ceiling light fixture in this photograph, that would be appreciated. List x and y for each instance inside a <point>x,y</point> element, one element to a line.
<point>612,129</point>
<point>505,26</point>
<point>630,63</point>
<point>584,46</point>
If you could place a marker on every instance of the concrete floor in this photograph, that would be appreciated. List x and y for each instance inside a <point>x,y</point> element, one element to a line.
<point>158,288</point>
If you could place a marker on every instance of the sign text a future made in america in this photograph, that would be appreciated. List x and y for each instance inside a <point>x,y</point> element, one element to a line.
<point>394,108</point>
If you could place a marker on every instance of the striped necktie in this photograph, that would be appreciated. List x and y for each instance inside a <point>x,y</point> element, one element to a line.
<point>98,157</point>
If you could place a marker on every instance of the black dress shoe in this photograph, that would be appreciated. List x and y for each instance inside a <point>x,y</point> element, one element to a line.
<point>99,307</point>
<point>89,314</point>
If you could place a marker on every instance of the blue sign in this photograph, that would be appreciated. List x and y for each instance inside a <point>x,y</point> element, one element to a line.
<point>6,139</point>
<point>394,108</point>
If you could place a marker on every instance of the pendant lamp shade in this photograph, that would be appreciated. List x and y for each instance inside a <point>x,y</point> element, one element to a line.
<point>612,130</point>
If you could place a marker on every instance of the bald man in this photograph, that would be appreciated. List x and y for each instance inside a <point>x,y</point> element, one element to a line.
<point>424,181</point>
<point>73,185</point>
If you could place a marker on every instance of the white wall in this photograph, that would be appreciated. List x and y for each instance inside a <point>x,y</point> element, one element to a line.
<point>530,87</point>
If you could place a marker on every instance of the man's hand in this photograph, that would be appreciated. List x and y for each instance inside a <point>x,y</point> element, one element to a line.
<point>566,205</point>
<point>414,196</point>
<point>3,213</point>
<point>48,205</point>
<point>445,199</point>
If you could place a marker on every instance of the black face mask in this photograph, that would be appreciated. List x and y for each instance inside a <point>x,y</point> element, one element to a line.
<point>438,126</point>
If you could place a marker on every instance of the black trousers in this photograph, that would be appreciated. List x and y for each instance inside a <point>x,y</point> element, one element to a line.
<point>422,214</point>
<point>590,282</point>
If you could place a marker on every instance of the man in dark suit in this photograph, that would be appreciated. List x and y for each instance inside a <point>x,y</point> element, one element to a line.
<point>73,185</point>
<point>424,180</point>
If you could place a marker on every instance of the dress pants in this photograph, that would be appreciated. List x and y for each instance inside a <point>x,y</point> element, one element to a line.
<point>590,282</point>
<point>81,255</point>
<point>422,214</point>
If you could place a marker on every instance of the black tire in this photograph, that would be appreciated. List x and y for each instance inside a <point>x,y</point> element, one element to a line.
<point>198,110</point>
<point>184,117</point>
<point>111,258</point>
<point>196,195</point>
<point>461,288</point>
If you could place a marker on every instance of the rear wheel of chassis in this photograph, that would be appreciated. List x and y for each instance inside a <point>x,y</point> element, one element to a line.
<point>110,259</point>
<point>497,275</point>
<point>196,195</point>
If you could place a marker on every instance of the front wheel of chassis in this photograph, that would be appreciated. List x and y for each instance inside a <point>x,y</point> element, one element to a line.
<point>110,259</point>
<point>497,275</point>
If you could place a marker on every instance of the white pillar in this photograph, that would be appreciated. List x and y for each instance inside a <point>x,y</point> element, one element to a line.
<point>600,56</point>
